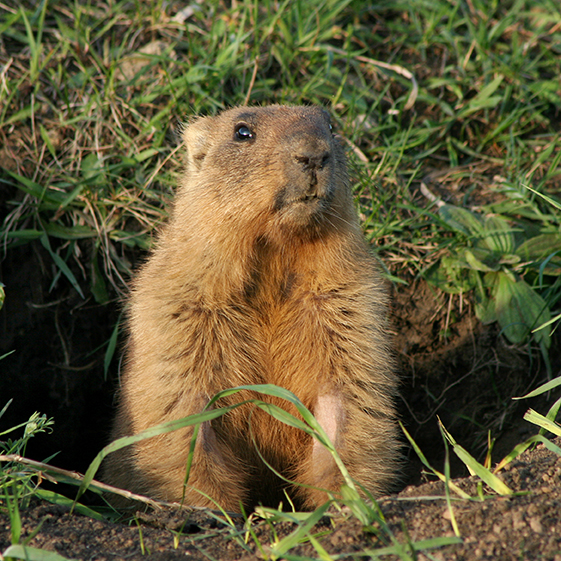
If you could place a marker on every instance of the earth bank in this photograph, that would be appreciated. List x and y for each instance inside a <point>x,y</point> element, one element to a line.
<point>525,525</point>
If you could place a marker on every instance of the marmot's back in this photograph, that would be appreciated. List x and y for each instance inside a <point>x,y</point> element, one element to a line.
<point>261,276</point>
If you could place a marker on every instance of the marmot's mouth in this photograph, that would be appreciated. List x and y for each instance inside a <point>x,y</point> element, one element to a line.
<point>311,202</point>
<point>305,210</point>
<point>310,197</point>
<point>293,197</point>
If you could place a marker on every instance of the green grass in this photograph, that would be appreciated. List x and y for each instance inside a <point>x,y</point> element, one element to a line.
<point>461,98</point>
<point>449,111</point>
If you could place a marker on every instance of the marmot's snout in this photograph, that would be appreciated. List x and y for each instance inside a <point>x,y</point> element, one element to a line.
<point>309,169</point>
<point>313,162</point>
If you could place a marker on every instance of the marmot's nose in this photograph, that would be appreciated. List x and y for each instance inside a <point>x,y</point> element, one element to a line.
<point>312,160</point>
<point>311,151</point>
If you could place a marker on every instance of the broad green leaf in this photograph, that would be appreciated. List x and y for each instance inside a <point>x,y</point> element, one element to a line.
<point>519,309</point>
<point>509,315</point>
<point>462,220</point>
<point>540,247</point>
<point>32,554</point>
<point>509,259</point>
<point>482,260</point>
<point>485,310</point>
<point>452,275</point>
<point>498,235</point>
<point>92,169</point>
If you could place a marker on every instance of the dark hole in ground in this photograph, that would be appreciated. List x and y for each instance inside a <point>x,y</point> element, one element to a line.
<point>464,373</point>
<point>56,367</point>
<point>452,367</point>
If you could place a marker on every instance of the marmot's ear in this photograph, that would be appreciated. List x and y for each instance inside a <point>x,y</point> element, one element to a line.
<point>196,139</point>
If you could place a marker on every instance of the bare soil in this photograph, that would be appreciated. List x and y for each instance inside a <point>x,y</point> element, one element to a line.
<point>525,526</point>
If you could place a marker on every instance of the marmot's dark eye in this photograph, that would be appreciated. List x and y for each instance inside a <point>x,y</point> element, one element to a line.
<point>243,132</point>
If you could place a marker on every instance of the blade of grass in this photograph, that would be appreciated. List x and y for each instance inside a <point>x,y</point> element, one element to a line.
<point>520,448</point>
<point>538,419</point>
<point>425,462</point>
<point>447,484</point>
<point>61,264</point>
<point>32,554</point>
<point>300,534</point>
<point>556,382</point>
<point>111,347</point>
<point>149,433</point>
<point>475,467</point>
<point>422,545</point>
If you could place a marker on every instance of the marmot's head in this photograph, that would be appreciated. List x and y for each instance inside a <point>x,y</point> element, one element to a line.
<point>279,169</point>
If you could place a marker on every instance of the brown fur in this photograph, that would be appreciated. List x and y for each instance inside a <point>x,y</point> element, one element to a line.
<point>261,276</point>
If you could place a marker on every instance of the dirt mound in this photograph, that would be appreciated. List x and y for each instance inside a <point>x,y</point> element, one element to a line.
<point>525,525</point>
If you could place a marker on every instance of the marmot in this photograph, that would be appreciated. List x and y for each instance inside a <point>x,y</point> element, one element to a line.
<point>262,275</point>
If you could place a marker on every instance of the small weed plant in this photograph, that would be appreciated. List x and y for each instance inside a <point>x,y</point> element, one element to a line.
<point>509,255</point>
<point>18,485</point>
